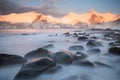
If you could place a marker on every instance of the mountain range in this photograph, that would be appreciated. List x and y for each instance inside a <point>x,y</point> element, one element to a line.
<point>91,17</point>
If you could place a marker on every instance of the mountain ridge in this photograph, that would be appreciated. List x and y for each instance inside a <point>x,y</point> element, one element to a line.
<point>91,17</point>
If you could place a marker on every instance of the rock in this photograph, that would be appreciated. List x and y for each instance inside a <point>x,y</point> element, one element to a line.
<point>73,77</point>
<point>79,56</point>
<point>84,63</point>
<point>115,50</point>
<point>93,43</point>
<point>83,38</point>
<point>62,57</point>
<point>67,34</point>
<point>95,50</point>
<point>48,46</point>
<point>34,68</point>
<point>85,77</point>
<point>37,54</point>
<point>75,35</point>
<point>102,64</point>
<point>9,59</point>
<point>93,37</point>
<point>76,48</point>
<point>53,69</point>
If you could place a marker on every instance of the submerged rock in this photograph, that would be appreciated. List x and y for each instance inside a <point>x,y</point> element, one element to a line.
<point>102,64</point>
<point>37,54</point>
<point>115,50</point>
<point>79,56</point>
<point>75,35</point>
<point>83,38</point>
<point>67,34</point>
<point>53,69</point>
<point>9,59</point>
<point>34,68</point>
<point>62,57</point>
<point>93,43</point>
<point>73,77</point>
<point>84,63</point>
<point>76,48</point>
<point>93,51</point>
<point>48,46</point>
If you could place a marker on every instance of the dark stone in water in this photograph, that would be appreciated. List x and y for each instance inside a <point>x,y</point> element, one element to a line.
<point>25,34</point>
<point>95,50</point>
<point>85,77</point>
<point>93,43</point>
<point>84,63</point>
<point>73,77</point>
<point>40,52</point>
<point>34,68</point>
<point>83,38</point>
<point>63,57</point>
<point>79,56</point>
<point>48,46</point>
<point>67,34</point>
<point>93,37</point>
<point>115,50</point>
<point>75,35</point>
<point>9,59</point>
<point>53,69</point>
<point>76,48</point>
<point>102,64</point>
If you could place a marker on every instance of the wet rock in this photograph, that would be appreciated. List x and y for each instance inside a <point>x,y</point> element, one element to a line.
<point>25,34</point>
<point>84,63</point>
<point>76,48</point>
<point>115,50</point>
<point>9,59</point>
<point>93,43</point>
<point>67,34</point>
<point>75,35</point>
<point>73,77</point>
<point>40,52</point>
<point>48,46</point>
<point>34,68</point>
<point>93,37</point>
<point>63,57</point>
<point>79,56</point>
<point>83,38</point>
<point>102,64</point>
<point>53,69</point>
<point>93,51</point>
<point>85,77</point>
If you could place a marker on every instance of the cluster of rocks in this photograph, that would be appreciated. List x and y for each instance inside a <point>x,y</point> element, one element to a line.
<point>41,60</point>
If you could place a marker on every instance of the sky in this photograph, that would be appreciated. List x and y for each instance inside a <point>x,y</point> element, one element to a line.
<point>59,7</point>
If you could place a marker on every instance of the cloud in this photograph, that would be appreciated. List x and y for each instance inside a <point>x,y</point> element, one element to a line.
<point>7,7</point>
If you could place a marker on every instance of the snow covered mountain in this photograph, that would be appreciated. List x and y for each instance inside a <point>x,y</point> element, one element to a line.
<point>70,19</point>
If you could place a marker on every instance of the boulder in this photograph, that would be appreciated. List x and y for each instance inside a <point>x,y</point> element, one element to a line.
<point>48,46</point>
<point>115,50</point>
<point>34,68</point>
<point>84,63</point>
<point>93,43</point>
<point>53,69</point>
<point>73,77</point>
<point>10,59</point>
<point>75,35</point>
<point>62,57</point>
<point>79,56</point>
<point>83,38</point>
<point>67,34</point>
<point>37,54</point>
<point>76,48</point>
<point>93,51</point>
<point>102,64</point>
